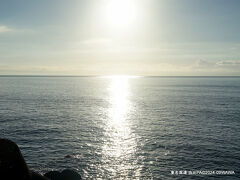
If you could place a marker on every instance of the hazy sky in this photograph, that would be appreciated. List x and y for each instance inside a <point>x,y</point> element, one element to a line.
<point>135,37</point>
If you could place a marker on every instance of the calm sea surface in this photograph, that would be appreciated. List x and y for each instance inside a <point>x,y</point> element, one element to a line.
<point>124,128</point>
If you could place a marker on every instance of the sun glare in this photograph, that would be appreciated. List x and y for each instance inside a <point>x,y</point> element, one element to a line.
<point>120,13</point>
<point>119,151</point>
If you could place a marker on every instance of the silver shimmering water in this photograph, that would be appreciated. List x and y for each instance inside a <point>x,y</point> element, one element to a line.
<point>123,127</point>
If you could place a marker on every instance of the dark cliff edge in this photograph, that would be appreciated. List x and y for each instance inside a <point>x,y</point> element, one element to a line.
<point>14,167</point>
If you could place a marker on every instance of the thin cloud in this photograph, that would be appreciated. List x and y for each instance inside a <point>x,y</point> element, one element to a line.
<point>229,63</point>
<point>96,41</point>
<point>4,29</point>
<point>203,64</point>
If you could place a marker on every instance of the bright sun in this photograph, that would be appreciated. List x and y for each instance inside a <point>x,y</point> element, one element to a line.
<point>120,13</point>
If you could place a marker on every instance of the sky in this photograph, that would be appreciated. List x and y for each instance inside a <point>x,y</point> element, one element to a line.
<point>120,37</point>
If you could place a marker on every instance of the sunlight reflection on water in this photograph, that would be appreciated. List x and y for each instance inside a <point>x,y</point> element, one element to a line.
<point>119,149</point>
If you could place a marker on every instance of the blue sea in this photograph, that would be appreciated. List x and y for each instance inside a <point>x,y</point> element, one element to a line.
<point>124,127</point>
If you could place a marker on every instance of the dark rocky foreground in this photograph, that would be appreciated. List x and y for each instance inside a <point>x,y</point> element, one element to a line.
<point>14,167</point>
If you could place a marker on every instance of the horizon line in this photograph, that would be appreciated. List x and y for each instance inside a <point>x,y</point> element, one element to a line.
<point>142,76</point>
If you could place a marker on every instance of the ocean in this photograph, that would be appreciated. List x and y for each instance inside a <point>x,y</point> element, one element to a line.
<point>124,127</point>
